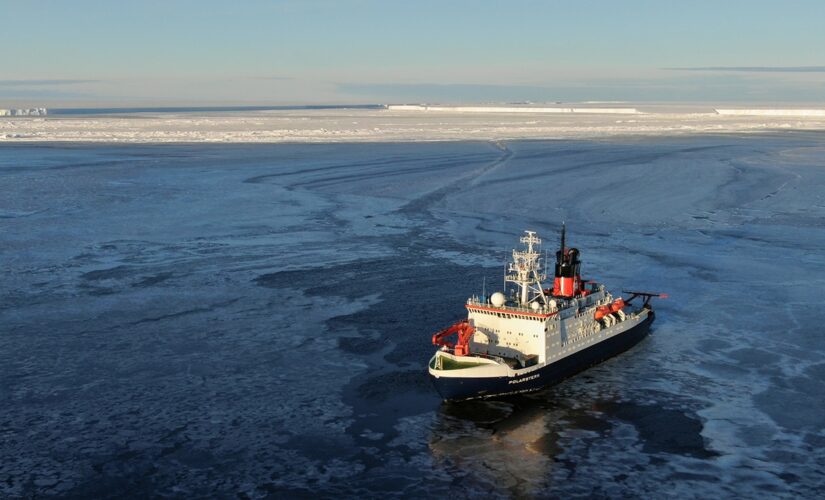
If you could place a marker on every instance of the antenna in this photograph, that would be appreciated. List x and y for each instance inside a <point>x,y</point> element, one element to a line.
<point>504,282</point>
<point>484,289</point>
<point>563,230</point>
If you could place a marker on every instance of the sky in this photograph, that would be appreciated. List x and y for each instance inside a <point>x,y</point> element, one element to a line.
<point>383,51</point>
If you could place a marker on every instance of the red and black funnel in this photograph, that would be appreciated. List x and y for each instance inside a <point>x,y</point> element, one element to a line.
<point>568,269</point>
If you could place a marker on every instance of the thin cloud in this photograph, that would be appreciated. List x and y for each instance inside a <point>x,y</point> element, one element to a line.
<point>277,78</point>
<point>43,83</point>
<point>755,69</point>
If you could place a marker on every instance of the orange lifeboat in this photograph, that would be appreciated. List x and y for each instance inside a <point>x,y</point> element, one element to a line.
<point>603,311</point>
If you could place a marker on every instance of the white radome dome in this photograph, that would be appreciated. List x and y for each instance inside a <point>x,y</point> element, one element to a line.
<point>497,299</point>
<point>534,306</point>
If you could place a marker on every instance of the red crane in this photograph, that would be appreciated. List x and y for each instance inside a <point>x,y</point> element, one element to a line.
<point>465,332</point>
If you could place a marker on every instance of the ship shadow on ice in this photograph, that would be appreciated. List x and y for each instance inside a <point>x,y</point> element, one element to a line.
<point>660,427</point>
<point>527,444</point>
<point>503,445</point>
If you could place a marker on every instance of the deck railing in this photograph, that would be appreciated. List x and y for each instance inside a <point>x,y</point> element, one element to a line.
<point>474,301</point>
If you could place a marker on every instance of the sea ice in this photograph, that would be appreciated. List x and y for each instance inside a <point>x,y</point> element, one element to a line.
<point>402,124</point>
<point>209,319</point>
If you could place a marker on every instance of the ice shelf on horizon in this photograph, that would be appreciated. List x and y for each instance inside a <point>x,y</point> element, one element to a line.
<point>771,112</point>
<point>509,109</point>
<point>24,112</point>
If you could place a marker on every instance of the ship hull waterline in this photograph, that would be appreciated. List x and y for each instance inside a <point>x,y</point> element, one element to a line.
<point>463,388</point>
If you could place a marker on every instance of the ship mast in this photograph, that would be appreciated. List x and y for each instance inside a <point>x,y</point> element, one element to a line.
<point>525,270</point>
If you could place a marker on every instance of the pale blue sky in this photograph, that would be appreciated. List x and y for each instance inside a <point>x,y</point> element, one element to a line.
<point>393,51</point>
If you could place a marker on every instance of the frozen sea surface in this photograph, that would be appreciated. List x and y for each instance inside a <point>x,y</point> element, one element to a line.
<point>254,320</point>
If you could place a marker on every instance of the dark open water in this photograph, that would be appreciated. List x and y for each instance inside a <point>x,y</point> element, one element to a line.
<point>254,320</point>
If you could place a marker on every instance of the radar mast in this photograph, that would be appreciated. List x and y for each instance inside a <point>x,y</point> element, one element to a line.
<point>525,270</point>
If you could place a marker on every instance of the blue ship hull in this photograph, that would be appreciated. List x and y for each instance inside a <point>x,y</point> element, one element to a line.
<point>458,388</point>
